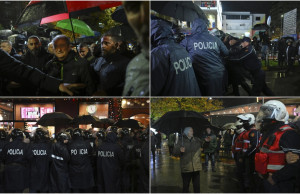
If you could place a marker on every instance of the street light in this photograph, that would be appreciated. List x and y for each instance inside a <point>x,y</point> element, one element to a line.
<point>281,25</point>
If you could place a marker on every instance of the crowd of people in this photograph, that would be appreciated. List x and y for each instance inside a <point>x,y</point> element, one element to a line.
<point>203,63</point>
<point>265,149</point>
<point>111,160</point>
<point>110,68</point>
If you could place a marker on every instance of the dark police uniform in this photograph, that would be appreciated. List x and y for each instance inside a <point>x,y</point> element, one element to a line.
<point>171,66</point>
<point>206,51</point>
<point>80,167</point>
<point>110,160</point>
<point>16,156</point>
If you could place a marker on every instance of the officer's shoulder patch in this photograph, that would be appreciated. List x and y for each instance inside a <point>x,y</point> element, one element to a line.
<point>252,134</point>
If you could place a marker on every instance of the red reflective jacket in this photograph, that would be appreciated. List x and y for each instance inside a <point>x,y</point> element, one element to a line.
<point>238,143</point>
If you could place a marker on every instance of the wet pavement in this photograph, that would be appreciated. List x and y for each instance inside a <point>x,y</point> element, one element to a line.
<point>166,176</point>
<point>280,83</point>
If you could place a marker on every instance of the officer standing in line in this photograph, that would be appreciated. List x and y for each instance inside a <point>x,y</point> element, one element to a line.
<point>40,164</point>
<point>250,143</point>
<point>206,52</point>
<point>3,142</point>
<point>80,166</point>
<point>110,160</point>
<point>278,139</point>
<point>16,156</point>
<point>59,173</point>
<point>237,150</point>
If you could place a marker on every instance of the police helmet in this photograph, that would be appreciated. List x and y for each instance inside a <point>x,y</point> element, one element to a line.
<point>77,133</point>
<point>40,134</point>
<point>87,135</point>
<point>62,136</point>
<point>100,135</point>
<point>3,135</point>
<point>125,131</point>
<point>70,131</point>
<point>17,133</point>
<point>144,136</point>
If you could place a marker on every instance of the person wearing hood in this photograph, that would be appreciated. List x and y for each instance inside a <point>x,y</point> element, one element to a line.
<point>137,72</point>
<point>16,156</point>
<point>110,160</point>
<point>189,150</point>
<point>171,66</point>
<point>67,66</point>
<point>80,166</point>
<point>206,52</point>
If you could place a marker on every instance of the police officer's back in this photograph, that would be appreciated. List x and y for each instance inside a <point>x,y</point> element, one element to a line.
<point>16,155</point>
<point>110,159</point>
<point>80,167</point>
<point>40,164</point>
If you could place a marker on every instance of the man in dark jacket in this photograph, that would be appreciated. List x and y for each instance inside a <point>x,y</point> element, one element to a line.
<point>206,52</point>
<point>16,155</point>
<point>290,55</point>
<point>80,167</point>
<point>19,72</point>
<point>3,142</point>
<point>69,67</point>
<point>40,164</point>
<point>248,58</point>
<point>171,67</point>
<point>110,159</point>
<point>281,52</point>
<point>112,72</point>
<point>59,172</point>
<point>36,56</point>
<point>209,148</point>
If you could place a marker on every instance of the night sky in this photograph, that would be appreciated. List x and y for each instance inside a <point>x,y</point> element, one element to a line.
<point>252,6</point>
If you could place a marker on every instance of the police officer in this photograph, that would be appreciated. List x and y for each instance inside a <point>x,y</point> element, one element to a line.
<point>143,172</point>
<point>59,175</point>
<point>80,167</point>
<point>3,141</point>
<point>171,65</point>
<point>100,137</point>
<point>206,52</point>
<point>88,136</point>
<point>250,143</point>
<point>278,139</point>
<point>16,156</point>
<point>237,151</point>
<point>110,160</point>
<point>40,164</point>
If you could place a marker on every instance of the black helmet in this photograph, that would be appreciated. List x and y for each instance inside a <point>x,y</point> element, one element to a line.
<point>3,135</point>
<point>17,133</point>
<point>62,136</point>
<point>125,131</point>
<point>87,135</point>
<point>100,135</point>
<point>40,134</point>
<point>77,133</point>
<point>70,131</point>
<point>144,136</point>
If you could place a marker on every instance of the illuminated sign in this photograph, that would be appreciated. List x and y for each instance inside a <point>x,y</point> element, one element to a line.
<point>34,112</point>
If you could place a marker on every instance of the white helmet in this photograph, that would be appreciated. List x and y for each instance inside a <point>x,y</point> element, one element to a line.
<point>239,126</point>
<point>273,109</point>
<point>247,117</point>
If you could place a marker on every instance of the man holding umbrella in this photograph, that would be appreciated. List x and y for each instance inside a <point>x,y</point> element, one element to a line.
<point>189,150</point>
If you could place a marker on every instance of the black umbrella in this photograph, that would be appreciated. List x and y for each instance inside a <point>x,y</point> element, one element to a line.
<point>130,123</point>
<point>181,10</point>
<point>85,120</point>
<point>124,31</point>
<point>176,121</point>
<point>260,27</point>
<point>103,123</point>
<point>119,15</point>
<point>54,119</point>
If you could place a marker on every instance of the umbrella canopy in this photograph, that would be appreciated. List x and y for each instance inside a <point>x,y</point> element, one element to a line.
<point>85,120</point>
<point>124,31</point>
<point>260,27</point>
<point>54,119</point>
<point>79,27</point>
<point>104,123</point>
<point>119,15</point>
<point>42,12</point>
<point>130,123</point>
<point>181,10</point>
<point>176,121</point>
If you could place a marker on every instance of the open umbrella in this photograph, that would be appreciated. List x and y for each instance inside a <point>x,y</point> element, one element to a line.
<point>176,121</point>
<point>130,123</point>
<point>260,27</point>
<point>79,27</point>
<point>119,15</point>
<point>54,119</point>
<point>104,123</point>
<point>181,10</point>
<point>85,120</point>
